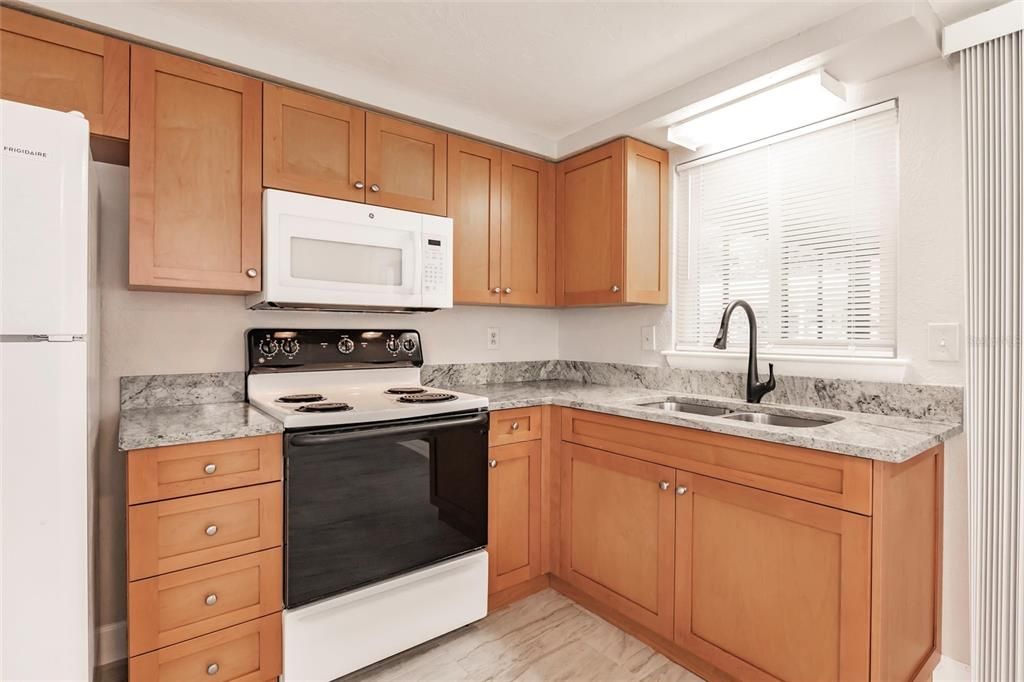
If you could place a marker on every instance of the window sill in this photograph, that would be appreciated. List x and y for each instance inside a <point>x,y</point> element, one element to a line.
<point>824,367</point>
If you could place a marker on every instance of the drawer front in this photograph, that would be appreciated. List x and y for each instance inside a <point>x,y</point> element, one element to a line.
<point>180,470</point>
<point>175,534</point>
<point>178,606</point>
<point>250,652</point>
<point>515,426</point>
<point>834,480</point>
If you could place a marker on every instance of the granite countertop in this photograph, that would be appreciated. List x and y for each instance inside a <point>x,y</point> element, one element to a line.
<point>148,427</point>
<point>880,437</point>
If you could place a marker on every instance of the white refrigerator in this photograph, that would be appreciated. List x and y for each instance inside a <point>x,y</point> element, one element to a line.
<point>48,361</point>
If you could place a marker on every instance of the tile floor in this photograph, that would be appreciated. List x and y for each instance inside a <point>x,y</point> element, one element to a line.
<point>544,637</point>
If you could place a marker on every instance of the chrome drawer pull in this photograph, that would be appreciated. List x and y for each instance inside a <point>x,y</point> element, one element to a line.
<point>492,463</point>
<point>681,490</point>
<point>515,426</point>
<point>664,485</point>
<point>211,530</point>
<point>210,468</point>
<point>211,599</point>
<point>212,669</point>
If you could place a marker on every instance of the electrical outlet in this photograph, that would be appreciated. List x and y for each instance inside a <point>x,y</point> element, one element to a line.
<point>944,341</point>
<point>493,339</point>
<point>647,340</point>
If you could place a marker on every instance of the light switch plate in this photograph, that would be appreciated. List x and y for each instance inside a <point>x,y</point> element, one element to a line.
<point>647,340</point>
<point>944,341</point>
<point>493,338</point>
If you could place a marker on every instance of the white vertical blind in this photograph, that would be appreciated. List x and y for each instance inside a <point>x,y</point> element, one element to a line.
<point>803,229</point>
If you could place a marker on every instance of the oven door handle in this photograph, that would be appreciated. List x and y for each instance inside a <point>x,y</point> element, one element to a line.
<point>331,438</point>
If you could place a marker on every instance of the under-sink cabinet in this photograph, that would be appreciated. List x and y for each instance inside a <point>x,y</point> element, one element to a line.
<point>748,560</point>
<point>204,536</point>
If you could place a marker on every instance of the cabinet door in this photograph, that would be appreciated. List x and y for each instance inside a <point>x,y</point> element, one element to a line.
<point>61,67</point>
<point>618,531</point>
<point>474,200</point>
<point>527,230</point>
<point>591,222</point>
<point>646,223</point>
<point>313,145</point>
<point>195,176</point>
<point>513,526</point>
<point>407,164</point>
<point>769,587</point>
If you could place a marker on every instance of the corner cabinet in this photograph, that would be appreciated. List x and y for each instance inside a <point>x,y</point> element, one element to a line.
<point>502,205</point>
<point>612,217</point>
<point>49,64</point>
<point>196,176</point>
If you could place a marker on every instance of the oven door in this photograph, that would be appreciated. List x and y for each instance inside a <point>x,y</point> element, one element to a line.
<point>328,252</point>
<point>366,503</point>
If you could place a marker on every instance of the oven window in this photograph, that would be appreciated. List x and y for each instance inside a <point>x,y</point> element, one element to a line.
<point>339,261</point>
<point>372,509</point>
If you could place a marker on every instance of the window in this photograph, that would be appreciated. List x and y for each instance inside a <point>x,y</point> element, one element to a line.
<point>803,227</point>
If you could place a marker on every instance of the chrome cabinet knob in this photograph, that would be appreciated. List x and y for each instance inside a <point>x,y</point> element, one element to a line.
<point>251,272</point>
<point>210,468</point>
<point>375,187</point>
<point>212,669</point>
<point>664,485</point>
<point>681,490</point>
<point>508,290</point>
<point>211,530</point>
<point>515,426</point>
<point>211,599</point>
<point>359,184</point>
<point>615,288</point>
<point>497,290</point>
<point>492,463</point>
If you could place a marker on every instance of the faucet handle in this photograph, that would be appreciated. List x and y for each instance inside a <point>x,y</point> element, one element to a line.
<point>770,384</point>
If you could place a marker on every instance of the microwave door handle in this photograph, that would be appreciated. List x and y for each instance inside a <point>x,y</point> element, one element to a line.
<point>331,438</point>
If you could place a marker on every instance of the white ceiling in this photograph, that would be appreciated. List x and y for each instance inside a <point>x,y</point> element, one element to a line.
<point>547,77</point>
<point>551,68</point>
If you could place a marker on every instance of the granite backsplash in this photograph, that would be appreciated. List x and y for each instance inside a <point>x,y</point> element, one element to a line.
<point>916,401</point>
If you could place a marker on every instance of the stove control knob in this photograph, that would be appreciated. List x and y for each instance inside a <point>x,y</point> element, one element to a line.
<point>268,347</point>
<point>290,347</point>
<point>346,345</point>
<point>409,344</point>
<point>391,344</point>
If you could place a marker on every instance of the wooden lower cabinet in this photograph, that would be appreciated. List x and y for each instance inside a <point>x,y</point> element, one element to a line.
<point>742,583</point>
<point>618,532</point>
<point>769,587</point>
<point>205,561</point>
<point>514,514</point>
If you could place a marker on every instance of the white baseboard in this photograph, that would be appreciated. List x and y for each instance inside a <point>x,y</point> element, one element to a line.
<point>949,670</point>
<point>111,643</point>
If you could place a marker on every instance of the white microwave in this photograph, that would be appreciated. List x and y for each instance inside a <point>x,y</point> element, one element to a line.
<point>328,254</point>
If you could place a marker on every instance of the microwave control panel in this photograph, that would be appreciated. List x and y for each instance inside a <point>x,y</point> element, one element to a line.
<point>435,263</point>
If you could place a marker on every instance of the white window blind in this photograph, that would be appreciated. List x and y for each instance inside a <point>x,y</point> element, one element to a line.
<point>804,229</point>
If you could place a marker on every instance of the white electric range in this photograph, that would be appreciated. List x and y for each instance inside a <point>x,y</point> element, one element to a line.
<point>385,495</point>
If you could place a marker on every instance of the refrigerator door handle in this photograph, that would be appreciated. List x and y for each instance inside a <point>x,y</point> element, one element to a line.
<point>39,338</point>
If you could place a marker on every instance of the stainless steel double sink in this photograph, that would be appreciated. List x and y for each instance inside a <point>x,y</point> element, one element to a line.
<point>673,405</point>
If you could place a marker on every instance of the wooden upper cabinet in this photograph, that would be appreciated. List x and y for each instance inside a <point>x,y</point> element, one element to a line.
<point>313,145</point>
<point>514,529</point>
<point>53,65</point>
<point>406,165</point>
<point>474,205</point>
<point>618,533</point>
<point>646,223</point>
<point>769,587</point>
<point>527,230</point>
<point>612,225</point>
<point>196,180</point>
